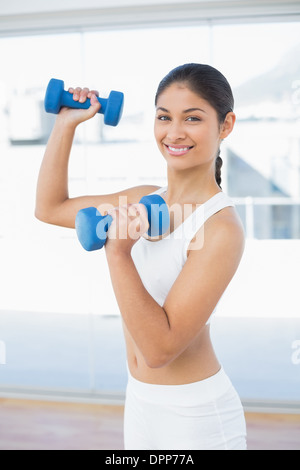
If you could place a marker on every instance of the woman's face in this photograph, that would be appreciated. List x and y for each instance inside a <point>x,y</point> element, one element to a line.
<point>187,129</point>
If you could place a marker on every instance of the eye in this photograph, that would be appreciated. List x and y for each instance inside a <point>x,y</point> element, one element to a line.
<point>163,118</point>
<point>193,119</point>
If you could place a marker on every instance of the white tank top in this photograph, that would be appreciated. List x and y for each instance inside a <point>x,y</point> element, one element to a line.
<point>159,263</point>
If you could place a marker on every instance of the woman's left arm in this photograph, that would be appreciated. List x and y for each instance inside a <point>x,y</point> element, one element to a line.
<point>163,333</point>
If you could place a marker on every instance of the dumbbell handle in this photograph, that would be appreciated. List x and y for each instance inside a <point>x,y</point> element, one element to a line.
<point>56,97</point>
<point>68,101</point>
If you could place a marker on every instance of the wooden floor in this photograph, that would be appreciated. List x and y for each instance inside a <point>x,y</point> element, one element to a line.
<point>37,425</point>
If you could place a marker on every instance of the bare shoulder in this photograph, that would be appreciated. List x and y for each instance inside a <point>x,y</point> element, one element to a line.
<point>223,236</point>
<point>228,223</point>
<point>227,226</point>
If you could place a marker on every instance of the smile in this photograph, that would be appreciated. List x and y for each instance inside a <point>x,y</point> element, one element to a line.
<point>177,150</point>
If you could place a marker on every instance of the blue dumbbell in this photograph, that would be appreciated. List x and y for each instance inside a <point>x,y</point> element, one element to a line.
<point>91,226</point>
<point>56,97</point>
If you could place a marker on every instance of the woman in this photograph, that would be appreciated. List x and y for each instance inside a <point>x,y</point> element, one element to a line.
<point>178,395</point>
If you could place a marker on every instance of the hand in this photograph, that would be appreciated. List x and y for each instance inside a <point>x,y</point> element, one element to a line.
<point>130,222</point>
<point>76,116</point>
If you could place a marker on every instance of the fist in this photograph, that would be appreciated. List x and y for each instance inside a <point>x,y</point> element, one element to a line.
<point>129,223</point>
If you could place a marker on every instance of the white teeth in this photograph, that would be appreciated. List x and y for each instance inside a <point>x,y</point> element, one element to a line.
<point>185,149</point>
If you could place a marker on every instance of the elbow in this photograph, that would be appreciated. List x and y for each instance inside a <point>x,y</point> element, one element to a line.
<point>43,215</point>
<point>158,359</point>
<point>162,353</point>
<point>40,215</point>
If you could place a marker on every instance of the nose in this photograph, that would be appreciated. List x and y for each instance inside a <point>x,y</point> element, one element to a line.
<point>176,131</point>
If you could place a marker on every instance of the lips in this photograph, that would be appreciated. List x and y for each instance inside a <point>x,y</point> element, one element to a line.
<point>178,150</point>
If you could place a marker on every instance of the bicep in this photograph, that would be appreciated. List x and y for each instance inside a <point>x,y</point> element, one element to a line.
<point>65,214</point>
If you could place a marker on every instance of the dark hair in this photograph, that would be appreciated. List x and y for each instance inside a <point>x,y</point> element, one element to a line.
<point>211,85</point>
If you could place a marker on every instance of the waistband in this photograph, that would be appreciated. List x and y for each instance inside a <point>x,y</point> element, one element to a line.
<point>191,394</point>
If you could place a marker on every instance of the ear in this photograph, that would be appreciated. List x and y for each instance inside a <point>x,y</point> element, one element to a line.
<point>228,125</point>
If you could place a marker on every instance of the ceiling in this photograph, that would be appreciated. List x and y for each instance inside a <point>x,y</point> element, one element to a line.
<point>35,16</point>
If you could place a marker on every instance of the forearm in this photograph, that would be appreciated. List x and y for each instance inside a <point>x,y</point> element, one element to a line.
<point>52,186</point>
<point>146,321</point>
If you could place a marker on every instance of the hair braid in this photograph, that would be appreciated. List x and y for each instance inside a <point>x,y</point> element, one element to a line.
<point>219,164</point>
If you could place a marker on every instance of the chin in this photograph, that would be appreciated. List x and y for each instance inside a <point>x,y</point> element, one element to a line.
<point>180,163</point>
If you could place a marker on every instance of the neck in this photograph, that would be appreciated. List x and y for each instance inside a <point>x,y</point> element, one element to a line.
<point>191,185</point>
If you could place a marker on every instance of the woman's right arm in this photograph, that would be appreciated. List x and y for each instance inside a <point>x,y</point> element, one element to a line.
<point>53,204</point>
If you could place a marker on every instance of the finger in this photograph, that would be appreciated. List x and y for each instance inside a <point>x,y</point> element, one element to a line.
<point>141,209</point>
<point>133,210</point>
<point>122,212</point>
<point>76,93</point>
<point>93,92</point>
<point>143,214</point>
<point>94,102</point>
<point>111,212</point>
<point>83,95</point>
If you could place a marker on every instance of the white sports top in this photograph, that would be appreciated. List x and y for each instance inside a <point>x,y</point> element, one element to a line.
<point>160,262</point>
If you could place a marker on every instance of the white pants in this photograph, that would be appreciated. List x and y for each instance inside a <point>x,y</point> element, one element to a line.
<point>205,415</point>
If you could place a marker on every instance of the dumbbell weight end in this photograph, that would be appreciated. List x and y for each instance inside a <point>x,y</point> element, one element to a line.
<point>158,214</point>
<point>91,228</point>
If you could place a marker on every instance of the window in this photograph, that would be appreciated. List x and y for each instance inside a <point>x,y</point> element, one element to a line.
<point>57,301</point>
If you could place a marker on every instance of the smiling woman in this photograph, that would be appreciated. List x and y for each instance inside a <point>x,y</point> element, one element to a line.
<point>196,130</point>
<point>167,291</point>
<point>261,173</point>
<point>172,361</point>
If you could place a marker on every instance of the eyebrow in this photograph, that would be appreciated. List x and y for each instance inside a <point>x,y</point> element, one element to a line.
<point>190,110</point>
